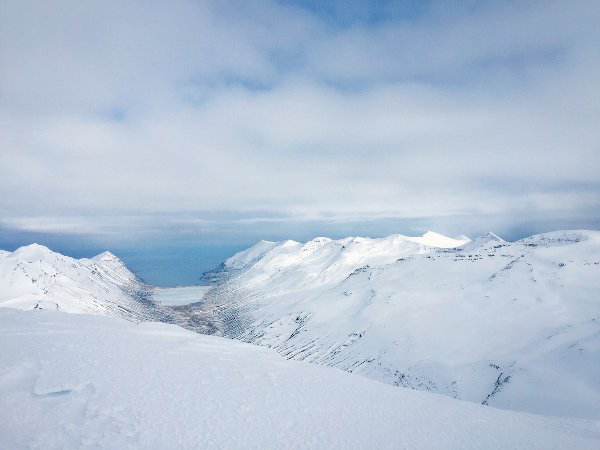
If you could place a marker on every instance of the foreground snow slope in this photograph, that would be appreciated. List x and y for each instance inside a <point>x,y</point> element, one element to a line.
<point>36,277</point>
<point>79,381</point>
<point>514,325</point>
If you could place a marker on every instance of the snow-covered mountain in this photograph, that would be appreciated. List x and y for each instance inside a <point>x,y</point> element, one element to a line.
<point>79,381</point>
<point>36,277</point>
<point>514,325</point>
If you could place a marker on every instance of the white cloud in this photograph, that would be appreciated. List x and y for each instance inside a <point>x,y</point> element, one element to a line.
<point>153,109</point>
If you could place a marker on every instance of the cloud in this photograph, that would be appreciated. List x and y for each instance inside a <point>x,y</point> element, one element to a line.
<point>155,116</point>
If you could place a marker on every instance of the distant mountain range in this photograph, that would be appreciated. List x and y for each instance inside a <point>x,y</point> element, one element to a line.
<point>34,277</point>
<point>513,325</point>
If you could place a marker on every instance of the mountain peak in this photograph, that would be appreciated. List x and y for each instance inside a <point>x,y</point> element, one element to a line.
<point>35,247</point>
<point>483,240</point>
<point>106,256</point>
<point>32,252</point>
<point>490,236</point>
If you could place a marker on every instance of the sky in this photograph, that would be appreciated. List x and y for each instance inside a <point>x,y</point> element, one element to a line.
<point>177,132</point>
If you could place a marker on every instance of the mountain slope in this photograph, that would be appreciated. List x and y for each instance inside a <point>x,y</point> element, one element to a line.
<point>36,277</point>
<point>74,381</point>
<point>514,325</point>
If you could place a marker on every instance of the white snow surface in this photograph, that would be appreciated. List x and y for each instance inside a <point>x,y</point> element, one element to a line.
<point>80,381</point>
<point>178,296</point>
<point>513,325</point>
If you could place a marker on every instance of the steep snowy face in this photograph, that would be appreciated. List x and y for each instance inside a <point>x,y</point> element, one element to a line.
<point>515,325</point>
<point>36,277</point>
<point>83,381</point>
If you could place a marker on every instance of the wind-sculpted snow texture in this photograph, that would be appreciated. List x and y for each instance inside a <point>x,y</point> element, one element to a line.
<point>513,325</point>
<point>34,277</point>
<point>78,381</point>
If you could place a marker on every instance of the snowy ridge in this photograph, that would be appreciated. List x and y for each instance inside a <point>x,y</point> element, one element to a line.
<point>70,381</point>
<point>334,257</point>
<point>514,325</point>
<point>35,277</point>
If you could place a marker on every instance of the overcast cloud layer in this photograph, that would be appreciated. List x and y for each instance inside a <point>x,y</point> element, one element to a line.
<point>135,117</point>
